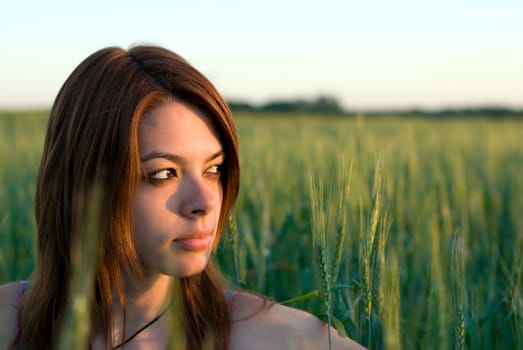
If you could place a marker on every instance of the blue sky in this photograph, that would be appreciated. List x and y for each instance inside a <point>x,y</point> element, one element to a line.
<point>374,54</point>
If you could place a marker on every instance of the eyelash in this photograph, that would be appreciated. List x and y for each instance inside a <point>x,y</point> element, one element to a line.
<point>153,179</point>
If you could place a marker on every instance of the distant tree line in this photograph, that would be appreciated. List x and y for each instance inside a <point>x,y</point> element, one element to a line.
<point>320,104</point>
<point>493,112</point>
<point>325,104</point>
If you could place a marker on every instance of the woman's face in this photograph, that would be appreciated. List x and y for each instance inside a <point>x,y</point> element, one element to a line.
<point>178,203</point>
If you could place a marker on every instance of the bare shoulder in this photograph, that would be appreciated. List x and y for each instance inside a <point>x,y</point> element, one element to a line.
<point>256,325</point>
<point>8,307</point>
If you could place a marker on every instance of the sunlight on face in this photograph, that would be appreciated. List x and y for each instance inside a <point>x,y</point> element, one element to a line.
<point>178,203</point>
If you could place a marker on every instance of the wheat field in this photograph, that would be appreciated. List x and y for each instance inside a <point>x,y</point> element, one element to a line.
<point>401,233</point>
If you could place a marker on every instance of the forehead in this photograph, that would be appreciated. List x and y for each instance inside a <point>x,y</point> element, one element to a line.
<point>175,126</point>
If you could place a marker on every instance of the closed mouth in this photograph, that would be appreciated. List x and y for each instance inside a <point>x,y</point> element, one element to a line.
<point>194,241</point>
<point>197,234</point>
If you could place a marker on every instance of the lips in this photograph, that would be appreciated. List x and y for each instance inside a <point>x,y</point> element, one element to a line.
<point>195,241</point>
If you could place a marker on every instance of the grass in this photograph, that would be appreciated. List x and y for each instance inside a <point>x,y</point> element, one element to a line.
<point>405,233</point>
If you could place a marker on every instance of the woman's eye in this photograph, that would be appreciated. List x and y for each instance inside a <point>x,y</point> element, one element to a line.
<point>215,170</point>
<point>161,175</point>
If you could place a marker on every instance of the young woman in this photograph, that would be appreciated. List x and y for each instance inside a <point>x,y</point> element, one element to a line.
<point>156,137</point>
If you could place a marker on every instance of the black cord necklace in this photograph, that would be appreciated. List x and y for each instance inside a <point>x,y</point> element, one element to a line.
<point>140,330</point>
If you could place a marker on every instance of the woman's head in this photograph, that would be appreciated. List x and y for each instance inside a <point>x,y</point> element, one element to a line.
<point>92,140</point>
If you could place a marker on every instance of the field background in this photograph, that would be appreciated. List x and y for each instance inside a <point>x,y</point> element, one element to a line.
<point>430,212</point>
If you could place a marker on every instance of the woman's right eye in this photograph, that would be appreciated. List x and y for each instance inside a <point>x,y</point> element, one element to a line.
<point>158,176</point>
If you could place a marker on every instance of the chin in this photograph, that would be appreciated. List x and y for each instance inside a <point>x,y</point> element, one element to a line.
<point>191,268</point>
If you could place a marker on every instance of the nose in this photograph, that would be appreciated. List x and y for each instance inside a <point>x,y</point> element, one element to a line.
<point>198,197</point>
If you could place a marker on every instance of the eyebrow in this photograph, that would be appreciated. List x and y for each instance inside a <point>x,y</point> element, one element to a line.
<point>176,158</point>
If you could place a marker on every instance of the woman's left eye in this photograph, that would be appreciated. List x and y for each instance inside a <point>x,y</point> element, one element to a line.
<point>161,175</point>
<point>215,170</point>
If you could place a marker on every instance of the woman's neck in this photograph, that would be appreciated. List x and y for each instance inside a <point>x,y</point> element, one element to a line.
<point>142,304</point>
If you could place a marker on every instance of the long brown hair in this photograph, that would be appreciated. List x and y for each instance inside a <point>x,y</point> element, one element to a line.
<point>92,140</point>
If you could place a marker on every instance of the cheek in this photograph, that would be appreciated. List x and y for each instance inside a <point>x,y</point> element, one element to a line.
<point>139,228</point>
<point>143,222</point>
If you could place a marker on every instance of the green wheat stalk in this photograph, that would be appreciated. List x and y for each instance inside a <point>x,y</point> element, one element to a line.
<point>307,296</point>
<point>344,191</point>
<point>75,327</point>
<point>176,338</point>
<point>457,278</point>
<point>319,225</point>
<point>379,264</point>
<point>391,310</point>
<point>368,248</point>
<point>233,227</point>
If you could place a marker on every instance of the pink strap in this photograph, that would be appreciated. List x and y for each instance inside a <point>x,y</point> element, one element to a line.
<point>230,297</point>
